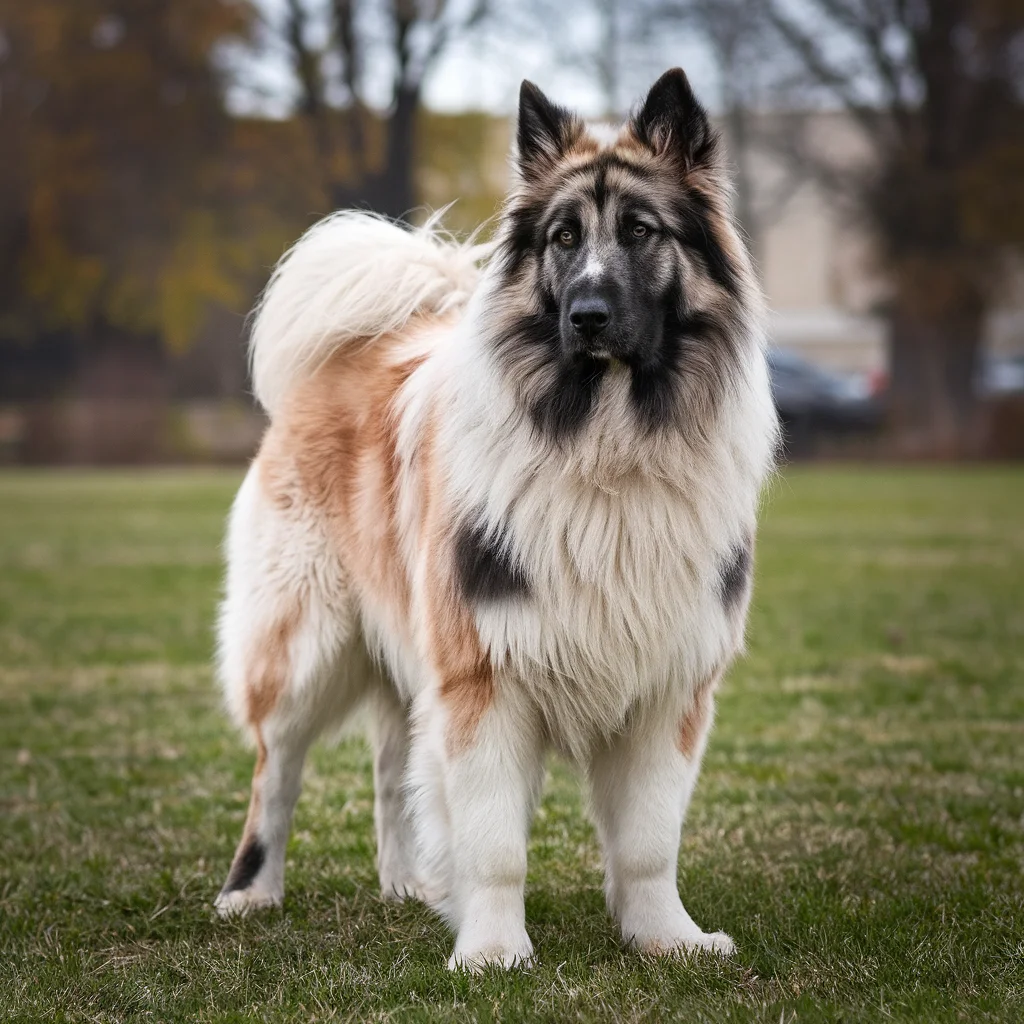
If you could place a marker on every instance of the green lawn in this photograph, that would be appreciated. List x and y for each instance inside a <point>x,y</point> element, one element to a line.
<point>859,827</point>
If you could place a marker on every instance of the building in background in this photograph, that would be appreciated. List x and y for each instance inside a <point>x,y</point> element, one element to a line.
<point>818,264</point>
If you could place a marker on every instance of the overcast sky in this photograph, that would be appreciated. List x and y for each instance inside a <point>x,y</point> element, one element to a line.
<point>490,80</point>
<point>483,72</point>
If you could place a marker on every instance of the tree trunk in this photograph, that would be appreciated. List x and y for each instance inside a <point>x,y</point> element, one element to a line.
<point>933,400</point>
<point>393,190</point>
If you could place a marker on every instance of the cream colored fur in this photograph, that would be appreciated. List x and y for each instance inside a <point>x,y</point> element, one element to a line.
<point>352,278</point>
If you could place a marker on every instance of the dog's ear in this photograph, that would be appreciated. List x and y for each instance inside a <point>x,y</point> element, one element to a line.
<point>545,131</point>
<point>672,121</point>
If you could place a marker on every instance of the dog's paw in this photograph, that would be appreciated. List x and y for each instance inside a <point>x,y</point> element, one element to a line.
<point>239,902</point>
<point>691,942</point>
<point>475,957</point>
<point>398,891</point>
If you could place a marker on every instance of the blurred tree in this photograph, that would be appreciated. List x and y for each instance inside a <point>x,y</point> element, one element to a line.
<point>935,86</point>
<point>342,53</point>
<point>596,38</point>
<point>112,125</point>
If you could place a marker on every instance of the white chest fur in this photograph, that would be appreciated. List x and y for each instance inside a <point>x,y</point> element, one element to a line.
<point>622,539</point>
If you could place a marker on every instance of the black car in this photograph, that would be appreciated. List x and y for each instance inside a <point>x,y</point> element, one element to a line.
<point>813,402</point>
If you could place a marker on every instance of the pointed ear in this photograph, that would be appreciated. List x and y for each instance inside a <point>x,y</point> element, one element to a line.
<point>672,120</point>
<point>545,130</point>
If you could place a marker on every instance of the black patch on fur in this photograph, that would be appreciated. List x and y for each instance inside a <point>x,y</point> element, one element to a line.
<point>523,237</point>
<point>246,866</point>
<point>697,235</point>
<point>600,185</point>
<point>564,407</point>
<point>534,331</point>
<point>487,569</point>
<point>734,575</point>
<point>653,392</point>
<point>655,383</point>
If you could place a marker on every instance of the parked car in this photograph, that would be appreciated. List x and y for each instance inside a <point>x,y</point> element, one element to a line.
<point>813,401</point>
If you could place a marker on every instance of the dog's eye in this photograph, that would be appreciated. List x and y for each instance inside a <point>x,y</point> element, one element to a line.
<point>567,238</point>
<point>640,231</point>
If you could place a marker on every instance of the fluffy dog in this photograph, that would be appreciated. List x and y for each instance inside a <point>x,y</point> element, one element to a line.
<point>514,507</point>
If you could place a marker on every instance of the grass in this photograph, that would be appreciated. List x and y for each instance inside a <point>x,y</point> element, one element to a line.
<point>859,827</point>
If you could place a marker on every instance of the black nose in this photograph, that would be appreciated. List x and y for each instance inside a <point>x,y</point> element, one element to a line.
<point>589,315</point>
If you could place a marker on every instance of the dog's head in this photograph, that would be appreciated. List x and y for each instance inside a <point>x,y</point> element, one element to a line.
<point>620,252</point>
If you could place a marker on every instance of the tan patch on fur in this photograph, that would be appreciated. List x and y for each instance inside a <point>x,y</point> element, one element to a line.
<point>332,449</point>
<point>629,145</point>
<point>269,668</point>
<point>467,697</point>
<point>465,671</point>
<point>581,150</point>
<point>261,752</point>
<point>252,817</point>
<point>695,721</point>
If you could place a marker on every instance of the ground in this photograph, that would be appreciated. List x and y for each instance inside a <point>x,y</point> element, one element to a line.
<point>859,827</point>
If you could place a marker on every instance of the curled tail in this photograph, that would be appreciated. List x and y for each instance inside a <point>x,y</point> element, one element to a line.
<point>351,277</point>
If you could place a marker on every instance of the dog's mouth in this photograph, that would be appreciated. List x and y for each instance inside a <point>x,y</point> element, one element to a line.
<point>601,350</point>
<point>608,357</point>
<point>632,345</point>
<point>610,362</point>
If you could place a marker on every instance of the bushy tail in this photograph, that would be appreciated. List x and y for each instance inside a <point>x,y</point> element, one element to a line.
<point>352,277</point>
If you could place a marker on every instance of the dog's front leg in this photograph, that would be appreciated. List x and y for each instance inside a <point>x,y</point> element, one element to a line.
<point>641,784</point>
<point>486,747</point>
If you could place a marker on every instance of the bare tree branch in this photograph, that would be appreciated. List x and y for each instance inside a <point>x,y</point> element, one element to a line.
<point>868,23</point>
<point>344,36</point>
<point>825,74</point>
<point>306,60</point>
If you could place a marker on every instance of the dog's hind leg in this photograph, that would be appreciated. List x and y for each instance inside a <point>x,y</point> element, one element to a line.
<point>396,843</point>
<point>290,668</point>
<point>256,878</point>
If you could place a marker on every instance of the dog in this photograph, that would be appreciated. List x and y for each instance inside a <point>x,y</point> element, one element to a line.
<point>507,496</point>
